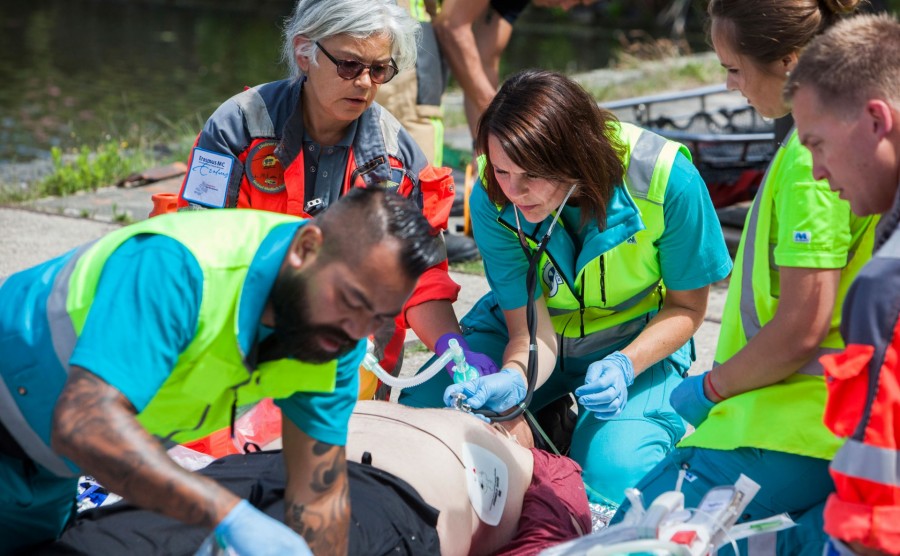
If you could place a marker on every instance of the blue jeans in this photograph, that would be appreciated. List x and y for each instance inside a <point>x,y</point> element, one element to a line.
<point>797,485</point>
<point>614,454</point>
<point>35,505</point>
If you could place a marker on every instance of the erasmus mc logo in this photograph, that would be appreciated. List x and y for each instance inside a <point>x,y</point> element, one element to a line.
<point>552,279</point>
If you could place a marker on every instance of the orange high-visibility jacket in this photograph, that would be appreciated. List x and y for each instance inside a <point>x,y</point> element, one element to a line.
<point>864,404</point>
<point>262,129</point>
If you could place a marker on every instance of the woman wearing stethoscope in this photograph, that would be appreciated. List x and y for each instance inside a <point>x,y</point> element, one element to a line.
<point>624,275</point>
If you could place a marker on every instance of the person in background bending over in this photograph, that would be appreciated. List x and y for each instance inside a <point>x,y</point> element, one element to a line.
<point>156,332</point>
<point>846,95</point>
<point>616,305</point>
<point>297,145</point>
<point>759,410</point>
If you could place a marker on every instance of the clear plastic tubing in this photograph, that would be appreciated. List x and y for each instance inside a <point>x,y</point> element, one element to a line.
<point>454,352</point>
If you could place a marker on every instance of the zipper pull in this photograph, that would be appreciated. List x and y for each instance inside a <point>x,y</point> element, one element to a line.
<point>602,280</point>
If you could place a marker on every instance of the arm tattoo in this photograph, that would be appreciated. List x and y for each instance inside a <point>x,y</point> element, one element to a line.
<point>323,521</point>
<point>94,425</point>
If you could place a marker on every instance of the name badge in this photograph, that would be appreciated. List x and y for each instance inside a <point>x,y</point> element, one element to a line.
<point>208,177</point>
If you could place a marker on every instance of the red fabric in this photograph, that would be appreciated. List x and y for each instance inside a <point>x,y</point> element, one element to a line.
<point>862,509</point>
<point>875,526</point>
<point>556,494</point>
<point>438,193</point>
<point>434,284</point>
<point>847,378</point>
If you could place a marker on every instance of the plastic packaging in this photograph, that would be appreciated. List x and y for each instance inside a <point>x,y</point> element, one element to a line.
<point>258,428</point>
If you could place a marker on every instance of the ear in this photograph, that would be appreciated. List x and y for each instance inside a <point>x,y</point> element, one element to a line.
<point>881,117</point>
<point>305,247</point>
<point>302,61</point>
<point>789,62</point>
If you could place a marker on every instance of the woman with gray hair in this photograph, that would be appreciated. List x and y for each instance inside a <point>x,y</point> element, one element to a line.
<point>295,146</point>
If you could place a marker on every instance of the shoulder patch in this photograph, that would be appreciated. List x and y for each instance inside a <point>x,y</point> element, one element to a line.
<point>802,237</point>
<point>264,170</point>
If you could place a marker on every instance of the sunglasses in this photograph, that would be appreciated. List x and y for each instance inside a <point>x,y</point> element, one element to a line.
<point>351,69</point>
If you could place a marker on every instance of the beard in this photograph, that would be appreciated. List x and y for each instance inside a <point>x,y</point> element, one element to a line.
<point>295,335</point>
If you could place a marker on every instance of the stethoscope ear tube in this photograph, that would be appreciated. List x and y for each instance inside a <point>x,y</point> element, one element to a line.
<point>531,281</point>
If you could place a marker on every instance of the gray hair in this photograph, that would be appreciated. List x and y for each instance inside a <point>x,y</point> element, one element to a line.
<point>320,19</point>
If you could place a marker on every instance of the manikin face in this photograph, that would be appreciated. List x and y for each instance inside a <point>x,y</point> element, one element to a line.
<point>851,150</point>
<point>322,309</point>
<point>761,85</point>
<point>535,197</point>
<point>333,98</point>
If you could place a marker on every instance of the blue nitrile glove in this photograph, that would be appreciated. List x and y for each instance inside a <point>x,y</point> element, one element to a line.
<point>690,401</point>
<point>606,383</point>
<point>482,363</point>
<point>249,532</point>
<point>497,392</point>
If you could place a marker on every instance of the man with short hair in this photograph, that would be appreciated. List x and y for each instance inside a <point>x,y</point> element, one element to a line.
<point>163,328</point>
<point>846,104</point>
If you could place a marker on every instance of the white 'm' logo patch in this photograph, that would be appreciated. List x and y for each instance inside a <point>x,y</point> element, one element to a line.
<point>802,237</point>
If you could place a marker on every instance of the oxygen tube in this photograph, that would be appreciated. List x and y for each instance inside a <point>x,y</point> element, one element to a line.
<point>531,281</point>
<point>462,371</point>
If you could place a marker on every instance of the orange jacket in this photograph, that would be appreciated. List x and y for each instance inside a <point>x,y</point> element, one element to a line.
<point>262,129</point>
<point>864,407</point>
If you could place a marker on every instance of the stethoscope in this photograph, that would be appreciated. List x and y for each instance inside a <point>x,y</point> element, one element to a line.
<point>531,280</point>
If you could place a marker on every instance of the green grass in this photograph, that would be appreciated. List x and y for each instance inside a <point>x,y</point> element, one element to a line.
<point>469,267</point>
<point>89,169</point>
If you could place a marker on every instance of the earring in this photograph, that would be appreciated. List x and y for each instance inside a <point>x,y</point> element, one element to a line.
<point>787,73</point>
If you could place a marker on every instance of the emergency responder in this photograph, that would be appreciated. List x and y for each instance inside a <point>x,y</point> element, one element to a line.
<point>759,410</point>
<point>846,95</point>
<point>297,145</point>
<point>617,305</point>
<point>160,329</point>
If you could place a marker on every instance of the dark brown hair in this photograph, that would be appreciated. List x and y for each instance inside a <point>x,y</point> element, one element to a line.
<point>552,128</point>
<point>769,30</point>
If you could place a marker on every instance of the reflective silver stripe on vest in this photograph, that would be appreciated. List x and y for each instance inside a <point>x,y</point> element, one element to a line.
<point>765,544</point>
<point>390,129</point>
<point>62,331</point>
<point>645,152</point>
<point>25,436</point>
<point>864,461</point>
<point>749,314</point>
<point>601,339</point>
<point>627,304</point>
<point>256,115</point>
<point>813,367</point>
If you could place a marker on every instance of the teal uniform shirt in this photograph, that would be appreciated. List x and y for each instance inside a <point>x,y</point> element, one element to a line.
<point>692,253</point>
